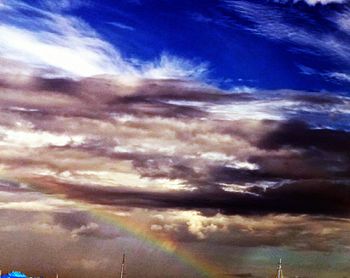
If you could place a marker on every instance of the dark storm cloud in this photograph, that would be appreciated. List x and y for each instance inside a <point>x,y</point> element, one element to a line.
<point>314,197</point>
<point>307,165</point>
<point>298,134</point>
<point>228,175</point>
<point>63,85</point>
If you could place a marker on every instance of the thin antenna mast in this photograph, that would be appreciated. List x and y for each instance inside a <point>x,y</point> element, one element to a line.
<point>122,271</point>
<point>279,270</point>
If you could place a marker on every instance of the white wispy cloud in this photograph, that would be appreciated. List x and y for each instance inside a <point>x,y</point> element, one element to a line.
<point>314,2</point>
<point>336,76</point>
<point>322,2</point>
<point>340,76</point>
<point>121,25</point>
<point>72,53</point>
<point>307,70</point>
<point>272,23</point>
<point>64,43</point>
<point>342,19</point>
<point>243,89</point>
<point>61,5</point>
<point>171,66</point>
<point>70,46</point>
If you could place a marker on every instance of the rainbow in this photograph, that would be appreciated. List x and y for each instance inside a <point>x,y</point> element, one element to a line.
<point>166,245</point>
<point>162,243</point>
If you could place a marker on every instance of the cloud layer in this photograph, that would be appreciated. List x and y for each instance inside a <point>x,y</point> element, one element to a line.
<point>192,161</point>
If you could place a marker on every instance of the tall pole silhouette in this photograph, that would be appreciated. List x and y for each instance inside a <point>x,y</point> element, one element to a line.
<point>279,270</point>
<point>122,271</point>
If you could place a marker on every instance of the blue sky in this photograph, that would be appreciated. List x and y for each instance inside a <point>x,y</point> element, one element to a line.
<point>245,43</point>
<point>301,45</point>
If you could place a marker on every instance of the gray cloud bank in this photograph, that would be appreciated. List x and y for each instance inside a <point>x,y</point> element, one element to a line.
<point>184,160</point>
<point>178,144</point>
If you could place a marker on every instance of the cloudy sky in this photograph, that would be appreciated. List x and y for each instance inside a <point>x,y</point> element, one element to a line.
<point>202,138</point>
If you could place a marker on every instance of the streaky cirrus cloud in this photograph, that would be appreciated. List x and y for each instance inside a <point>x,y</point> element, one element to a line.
<point>324,2</point>
<point>283,25</point>
<point>67,45</point>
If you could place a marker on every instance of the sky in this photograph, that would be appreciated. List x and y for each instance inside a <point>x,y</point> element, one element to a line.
<point>200,138</point>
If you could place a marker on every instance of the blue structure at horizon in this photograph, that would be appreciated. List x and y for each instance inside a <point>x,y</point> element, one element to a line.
<point>14,274</point>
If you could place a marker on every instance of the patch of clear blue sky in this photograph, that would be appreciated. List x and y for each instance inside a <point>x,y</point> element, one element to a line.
<point>211,31</point>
